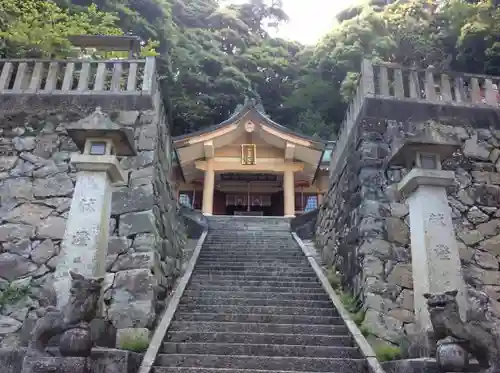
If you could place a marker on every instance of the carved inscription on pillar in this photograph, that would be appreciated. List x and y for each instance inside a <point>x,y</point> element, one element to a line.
<point>435,257</point>
<point>84,246</point>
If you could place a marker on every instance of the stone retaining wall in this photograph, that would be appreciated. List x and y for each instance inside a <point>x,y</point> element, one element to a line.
<point>36,186</point>
<point>363,229</point>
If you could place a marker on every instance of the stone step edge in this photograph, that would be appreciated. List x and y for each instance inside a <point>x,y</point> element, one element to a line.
<point>251,292</point>
<point>268,334</point>
<point>254,306</point>
<point>229,370</point>
<point>255,323</point>
<point>180,313</point>
<point>256,346</point>
<point>156,342</point>
<point>192,300</point>
<point>263,275</point>
<point>373,364</point>
<point>268,357</point>
<point>209,287</point>
<point>259,345</point>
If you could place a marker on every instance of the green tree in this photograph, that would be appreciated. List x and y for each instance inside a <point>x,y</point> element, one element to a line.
<point>37,28</point>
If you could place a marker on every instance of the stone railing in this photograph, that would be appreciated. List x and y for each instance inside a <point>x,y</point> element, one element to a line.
<point>346,132</point>
<point>384,84</point>
<point>124,84</point>
<point>391,80</point>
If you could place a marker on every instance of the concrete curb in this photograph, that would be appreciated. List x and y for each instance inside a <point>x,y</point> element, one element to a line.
<point>168,315</point>
<point>360,339</point>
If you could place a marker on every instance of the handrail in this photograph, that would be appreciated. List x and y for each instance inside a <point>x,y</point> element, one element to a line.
<point>120,76</point>
<point>167,317</point>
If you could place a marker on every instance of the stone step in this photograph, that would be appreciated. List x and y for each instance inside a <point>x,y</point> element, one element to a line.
<point>248,244</point>
<point>253,277</point>
<point>260,338</point>
<point>283,267</point>
<point>212,301</point>
<point>260,350</point>
<point>244,241</point>
<point>266,310</point>
<point>231,266</point>
<point>255,250</point>
<point>245,258</point>
<point>247,231</point>
<point>239,327</point>
<point>293,261</point>
<point>257,295</point>
<point>258,318</point>
<point>276,272</point>
<point>228,370</point>
<point>251,229</point>
<point>302,364</point>
<point>248,234</point>
<point>241,284</point>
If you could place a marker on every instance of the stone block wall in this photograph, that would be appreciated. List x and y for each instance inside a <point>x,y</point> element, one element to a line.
<point>145,248</point>
<point>363,228</point>
<point>304,224</point>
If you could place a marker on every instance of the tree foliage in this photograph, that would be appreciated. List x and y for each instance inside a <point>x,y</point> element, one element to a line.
<point>213,54</point>
<point>34,28</point>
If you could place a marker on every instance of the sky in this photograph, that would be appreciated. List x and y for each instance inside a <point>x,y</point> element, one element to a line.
<point>309,19</point>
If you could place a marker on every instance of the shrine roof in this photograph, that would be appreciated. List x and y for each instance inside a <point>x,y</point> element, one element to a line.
<point>255,112</point>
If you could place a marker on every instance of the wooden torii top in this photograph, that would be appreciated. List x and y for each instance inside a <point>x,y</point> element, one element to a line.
<point>129,43</point>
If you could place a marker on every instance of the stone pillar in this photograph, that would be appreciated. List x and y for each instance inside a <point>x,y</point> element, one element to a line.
<point>208,189</point>
<point>320,199</point>
<point>435,256</point>
<point>85,241</point>
<point>289,193</point>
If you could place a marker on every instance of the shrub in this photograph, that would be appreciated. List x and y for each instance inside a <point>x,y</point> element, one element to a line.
<point>12,294</point>
<point>365,330</point>
<point>135,343</point>
<point>387,352</point>
<point>333,277</point>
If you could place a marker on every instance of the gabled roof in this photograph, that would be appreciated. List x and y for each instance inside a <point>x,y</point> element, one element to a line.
<point>251,106</point>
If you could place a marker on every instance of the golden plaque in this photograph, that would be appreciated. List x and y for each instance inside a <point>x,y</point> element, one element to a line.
<point>248,154</point>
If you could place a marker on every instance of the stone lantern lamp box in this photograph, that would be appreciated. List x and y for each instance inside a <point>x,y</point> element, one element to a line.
<point>101,141</point>
<point>423,156</point>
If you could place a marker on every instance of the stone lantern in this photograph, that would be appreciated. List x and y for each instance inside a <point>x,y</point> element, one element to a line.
<point>84,245</point>
<point>435,256</point>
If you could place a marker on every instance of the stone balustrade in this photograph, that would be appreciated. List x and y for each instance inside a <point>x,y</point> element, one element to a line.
<point>112,84</point>
<point>398,93</point>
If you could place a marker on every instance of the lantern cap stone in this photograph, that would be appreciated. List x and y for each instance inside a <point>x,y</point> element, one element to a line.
<point>406,150</point>
<point>99,125</point>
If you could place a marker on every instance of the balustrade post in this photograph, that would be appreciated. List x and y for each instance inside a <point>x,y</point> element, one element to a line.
<point>149,74</point>
<point>367,77</point>
<point>445,88</point>
<point>384,81</point>
<point>399,90</point>
<point>430,85</point>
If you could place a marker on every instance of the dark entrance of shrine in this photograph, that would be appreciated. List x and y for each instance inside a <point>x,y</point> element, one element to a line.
<point>252,202</point>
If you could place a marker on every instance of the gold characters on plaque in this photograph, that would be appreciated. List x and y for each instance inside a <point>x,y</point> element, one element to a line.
<point>248,154</point>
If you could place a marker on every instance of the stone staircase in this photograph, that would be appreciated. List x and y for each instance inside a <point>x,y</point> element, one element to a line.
<point>254,305</point>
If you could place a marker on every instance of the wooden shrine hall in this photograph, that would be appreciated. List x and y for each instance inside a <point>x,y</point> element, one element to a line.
<point>250,165</point>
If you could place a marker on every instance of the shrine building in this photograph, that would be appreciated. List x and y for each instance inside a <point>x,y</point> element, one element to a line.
<point>251,165</point>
